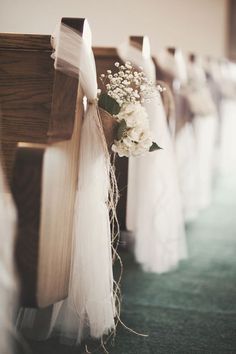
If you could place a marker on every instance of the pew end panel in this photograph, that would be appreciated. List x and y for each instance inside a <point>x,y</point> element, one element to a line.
<point>41,113</point>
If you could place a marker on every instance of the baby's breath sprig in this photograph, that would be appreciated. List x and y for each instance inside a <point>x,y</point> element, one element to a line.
<point>127,85</point>
<point>124,90</point>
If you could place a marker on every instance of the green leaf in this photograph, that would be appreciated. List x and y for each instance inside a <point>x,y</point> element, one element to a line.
<point>154,147</point>
<point>121,129</point>
<point>108,103</point>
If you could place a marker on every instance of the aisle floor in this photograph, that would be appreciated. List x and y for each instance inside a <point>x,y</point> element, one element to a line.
<point>190,310</point>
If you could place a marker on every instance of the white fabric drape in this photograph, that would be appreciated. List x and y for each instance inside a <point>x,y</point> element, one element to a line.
<point>173,64</point>
<point>227,150</point>
<point>8,283</point>
<point>205,127</point>
<point>186,157</point>
<point>205,137</point>
<point>184,145</point>
<point>154,206</point>
<point>89,308</point>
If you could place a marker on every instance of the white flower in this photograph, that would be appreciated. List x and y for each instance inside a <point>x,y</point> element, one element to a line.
<point>120,149</point>
<point>128,65</point>
<point>137,138</point>
<point>134,115</point>
<point>128,142</point>
<point>128,89</point>
<point>140,135</point>
<point>126,82</point>
<point>135,133</point>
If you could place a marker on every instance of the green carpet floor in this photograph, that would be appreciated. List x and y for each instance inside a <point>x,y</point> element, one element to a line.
<point>190,310</point>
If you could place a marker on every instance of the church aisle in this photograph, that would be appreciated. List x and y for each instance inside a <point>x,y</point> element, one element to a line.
<point>190,310</point>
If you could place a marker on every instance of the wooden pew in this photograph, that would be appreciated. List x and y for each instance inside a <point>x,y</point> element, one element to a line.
<point>41,112</point>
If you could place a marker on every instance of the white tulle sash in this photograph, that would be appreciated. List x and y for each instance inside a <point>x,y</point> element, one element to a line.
<point>89,308</point>
<point>153,191</point>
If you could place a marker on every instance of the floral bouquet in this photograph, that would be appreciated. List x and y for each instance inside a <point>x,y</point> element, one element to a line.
<point>124,92</point>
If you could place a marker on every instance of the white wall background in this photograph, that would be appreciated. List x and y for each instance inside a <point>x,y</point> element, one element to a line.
<point>196,25</point>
